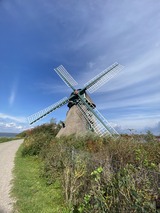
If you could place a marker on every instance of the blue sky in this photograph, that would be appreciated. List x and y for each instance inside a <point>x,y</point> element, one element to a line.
<point>85,37</point>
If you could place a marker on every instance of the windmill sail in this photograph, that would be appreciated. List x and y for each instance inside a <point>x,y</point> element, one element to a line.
<point>65,76</point>
<point>101,126</point>
<point>103,77</point>
<point>35,117</point>
<point>79,100</point>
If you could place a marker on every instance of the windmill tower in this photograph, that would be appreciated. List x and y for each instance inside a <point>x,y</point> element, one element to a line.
<point>82,115</point>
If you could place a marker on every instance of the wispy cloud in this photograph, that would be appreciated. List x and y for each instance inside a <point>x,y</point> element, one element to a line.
<point>12,97</point>
<point>13,92</point>
<point>11,127</point>
<point>86,40</point>
<point>9,123</point>
<point>53,88</point>
<point>139,123</point>
<point>14,118</point>
<point>154,129</point>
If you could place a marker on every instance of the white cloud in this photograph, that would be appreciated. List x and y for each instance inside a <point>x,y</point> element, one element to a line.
<point>102,33</point>
<point>14,118</point>
<point>9,123</point>
<point>154,129</point>
<point>137,122</point>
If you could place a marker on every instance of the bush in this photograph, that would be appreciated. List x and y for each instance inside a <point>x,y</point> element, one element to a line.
<point>34,145</point>
<point>38,139</point>
<point>99,174</point>
<point>128,190</point>
<point>123,181</point>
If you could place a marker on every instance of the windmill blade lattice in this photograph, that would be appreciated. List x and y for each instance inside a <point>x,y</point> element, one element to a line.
<point>65,76</point>
<point>80,98</point>
<point>35,117</point>
<point>95,123</point>
<point>103,77</point>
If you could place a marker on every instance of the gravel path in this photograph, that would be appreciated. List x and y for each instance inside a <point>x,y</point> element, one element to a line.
<point>7,154</point>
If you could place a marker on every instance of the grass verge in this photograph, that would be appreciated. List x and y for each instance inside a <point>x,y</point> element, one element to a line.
<point>5,139</point>
<point>31,191</point>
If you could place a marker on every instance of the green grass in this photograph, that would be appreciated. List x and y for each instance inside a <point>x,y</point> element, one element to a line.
<point>31,191</point>
<point>5,139</point>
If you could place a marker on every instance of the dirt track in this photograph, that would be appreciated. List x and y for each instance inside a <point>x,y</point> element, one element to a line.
<point>7,154</point>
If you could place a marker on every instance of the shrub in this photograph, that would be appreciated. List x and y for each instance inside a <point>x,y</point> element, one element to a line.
<point>128,190</point>
<point>39,138</point>
<point>34,145</point>
<point>99,174</point>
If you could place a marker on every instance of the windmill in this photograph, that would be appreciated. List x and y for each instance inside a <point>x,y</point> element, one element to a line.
<point>83,114</point>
